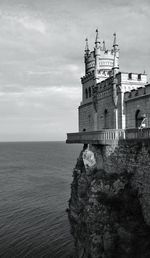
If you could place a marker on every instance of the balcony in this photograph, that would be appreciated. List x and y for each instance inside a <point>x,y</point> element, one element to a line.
<point>103,137</point>
<point>109,136</point>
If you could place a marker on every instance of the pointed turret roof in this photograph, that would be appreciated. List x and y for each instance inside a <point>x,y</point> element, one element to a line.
<point>104,46</point>
<point>97,40</point>
<point>86,45</point>
<point>115,40</point>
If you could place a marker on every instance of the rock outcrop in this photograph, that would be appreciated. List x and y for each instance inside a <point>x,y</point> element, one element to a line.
<point>109,208</point>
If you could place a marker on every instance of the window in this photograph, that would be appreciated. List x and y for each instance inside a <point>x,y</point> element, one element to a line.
<point>90,92</point>
<point>106,119</point>
<point>138,118</point>
<point>86,93</point>
<point>130,76</point>
<point>139,77</point>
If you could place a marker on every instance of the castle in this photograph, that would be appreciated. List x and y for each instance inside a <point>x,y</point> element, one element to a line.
<point>111,99</point>
<point>109,207</point>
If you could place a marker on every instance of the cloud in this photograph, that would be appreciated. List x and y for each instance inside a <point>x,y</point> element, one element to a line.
<point>32,24</point>
<point>47,112</point>
<point>42,58</point>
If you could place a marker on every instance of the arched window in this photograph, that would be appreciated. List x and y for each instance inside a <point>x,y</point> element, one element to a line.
<point>138,118</point>
<point>106,122</point>
<point>90,92</point>
<point>86,93</point>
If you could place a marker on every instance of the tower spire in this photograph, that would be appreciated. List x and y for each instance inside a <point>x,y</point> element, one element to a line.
<point>97,40</point>
<point>97,54</point>
<point>115,71</point>
<point>86,47</point>
<point>104,46</point>
<point>116,55</point>
<point>115,45</point>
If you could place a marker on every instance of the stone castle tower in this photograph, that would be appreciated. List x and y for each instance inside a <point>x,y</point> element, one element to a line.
<point>101,60</point>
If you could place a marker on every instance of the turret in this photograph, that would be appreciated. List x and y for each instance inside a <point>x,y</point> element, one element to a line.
<point>101,60</point>
<point>115,71</point>
<point>97,53</point>
<point>89,59</point>
<point>116,56</point>
<point>97,44</point>
<point>87,50</point>
<point>86,54</point>
<point>97,40</point>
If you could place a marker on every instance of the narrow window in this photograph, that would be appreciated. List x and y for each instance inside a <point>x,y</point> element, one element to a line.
<point>89,92</point>
<point>86,93</point>
<point>139,77</point>
<point>130,76</point>
<point>106,121</point>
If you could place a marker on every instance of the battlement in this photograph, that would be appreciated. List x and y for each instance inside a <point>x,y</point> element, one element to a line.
<point>138,93</point>
<point>132,77</point>
<point>103,85</point>
<point>107,54</point>
<point>87,77</point>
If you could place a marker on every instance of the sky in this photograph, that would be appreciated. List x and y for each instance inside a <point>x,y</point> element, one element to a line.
<point>41,59</point>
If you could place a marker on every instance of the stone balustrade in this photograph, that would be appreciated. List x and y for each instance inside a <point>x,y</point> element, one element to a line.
<point>108,136</point>
<point>135,133</point>
<point>104,137</point>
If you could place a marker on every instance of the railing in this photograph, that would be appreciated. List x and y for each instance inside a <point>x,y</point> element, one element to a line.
<point>108,136</point>
<point>105,137</point>
<point>135,133</point>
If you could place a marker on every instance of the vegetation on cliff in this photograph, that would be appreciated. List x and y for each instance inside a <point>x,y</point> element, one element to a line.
<point>105,209</point>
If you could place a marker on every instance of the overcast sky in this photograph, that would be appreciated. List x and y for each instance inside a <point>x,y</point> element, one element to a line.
<point>41,59</point>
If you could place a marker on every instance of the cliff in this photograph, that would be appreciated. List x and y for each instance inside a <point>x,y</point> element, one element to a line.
<point>109,208</point>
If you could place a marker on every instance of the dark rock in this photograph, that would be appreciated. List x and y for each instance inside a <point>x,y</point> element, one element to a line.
<point>109,208</point>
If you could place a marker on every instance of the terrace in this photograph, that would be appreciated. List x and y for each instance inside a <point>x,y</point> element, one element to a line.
<point>108,136</point>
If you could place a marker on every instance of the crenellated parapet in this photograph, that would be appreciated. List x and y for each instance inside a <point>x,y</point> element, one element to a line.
<point>106,84</point>
<point>137,93</point>
<point>132,77</point>
<point>87,77</point>
<point>105,88</point>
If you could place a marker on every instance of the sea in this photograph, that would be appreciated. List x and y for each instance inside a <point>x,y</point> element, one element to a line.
<point>35,179</point>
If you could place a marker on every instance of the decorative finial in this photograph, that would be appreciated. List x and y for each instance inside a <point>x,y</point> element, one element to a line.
<point>104,47</point>
<point>86,46</point>
<point>115,40</point>
<point>97,40</point>
<point>116,56</point>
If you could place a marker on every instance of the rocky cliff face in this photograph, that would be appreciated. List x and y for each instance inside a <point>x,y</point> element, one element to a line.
<point>109,208</point>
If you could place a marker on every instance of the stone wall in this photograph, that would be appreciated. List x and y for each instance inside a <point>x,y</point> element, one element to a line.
<point>105,114</point>
<point>109,208</point>
<point>87,82</point>
<point>137,100</point>
<point>128,102</point>
<point>86,117</point>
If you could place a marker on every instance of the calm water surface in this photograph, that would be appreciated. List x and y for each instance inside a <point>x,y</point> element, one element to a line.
<point>34,189</point>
